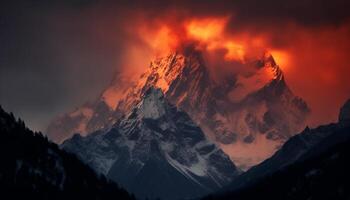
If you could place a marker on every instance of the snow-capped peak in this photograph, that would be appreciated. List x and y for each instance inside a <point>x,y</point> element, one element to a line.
<point>251,107</point>
<point>156,142</point>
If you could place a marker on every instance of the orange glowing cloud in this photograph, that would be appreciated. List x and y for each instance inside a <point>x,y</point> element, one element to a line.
<point>314,60</point>
<point>282,58</point>
<point>211,32</point>
<point>207,33</point>
<point>161,39</point>
<point>234,51</point>
<point>318,68</point>
<point>206,29</point>
<point>164,39</point>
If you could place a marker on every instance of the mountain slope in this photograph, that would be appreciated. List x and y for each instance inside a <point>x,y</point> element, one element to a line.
<point>34,168</point>
<point>156,151</point>
<point>311,165</point>
<point>249,113</point>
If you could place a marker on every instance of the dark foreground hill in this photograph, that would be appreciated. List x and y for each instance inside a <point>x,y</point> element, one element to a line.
<point>34,168</point>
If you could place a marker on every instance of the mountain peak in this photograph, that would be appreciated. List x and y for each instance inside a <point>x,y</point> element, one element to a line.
<point>253,106</point>
<point>155,148</point>
<point>269,62</point>
<point>344,115</point>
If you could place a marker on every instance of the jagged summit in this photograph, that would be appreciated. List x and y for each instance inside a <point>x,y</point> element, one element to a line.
<point>269,62</point>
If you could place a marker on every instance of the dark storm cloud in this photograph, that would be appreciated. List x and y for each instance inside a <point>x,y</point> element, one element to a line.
<point>55,55</point>
<point>308,12</point>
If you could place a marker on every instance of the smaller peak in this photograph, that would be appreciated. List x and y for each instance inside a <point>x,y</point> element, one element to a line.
<point>267,60</point>
<point>344,115</point>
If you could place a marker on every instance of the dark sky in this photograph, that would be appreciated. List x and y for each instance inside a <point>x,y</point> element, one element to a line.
<point>56,55</point>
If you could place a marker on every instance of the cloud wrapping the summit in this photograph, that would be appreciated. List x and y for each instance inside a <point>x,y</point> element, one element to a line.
<point>57,55</point>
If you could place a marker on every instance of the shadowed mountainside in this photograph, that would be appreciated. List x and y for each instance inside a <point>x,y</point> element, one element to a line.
<point>311,165</point>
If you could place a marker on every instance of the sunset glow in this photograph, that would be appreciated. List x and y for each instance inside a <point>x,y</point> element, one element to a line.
<point>234,51</point>
<point>175,99</point>
<point>297,49</point>
<point>206,29</point>
<point>210,32</point>
<point>161,40</point>
<point>210,35</point>
<point>282,58</point>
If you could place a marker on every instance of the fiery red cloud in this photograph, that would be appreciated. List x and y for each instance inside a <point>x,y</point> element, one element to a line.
<point>314,59</point>
<point>318,68</point>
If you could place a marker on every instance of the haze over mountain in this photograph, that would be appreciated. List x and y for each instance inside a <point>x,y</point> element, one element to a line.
<point>57,56</point>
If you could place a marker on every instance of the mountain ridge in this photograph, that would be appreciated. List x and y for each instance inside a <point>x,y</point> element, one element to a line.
<point>254,108</point>
<point>155,151</point>
<point>312,164</point>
